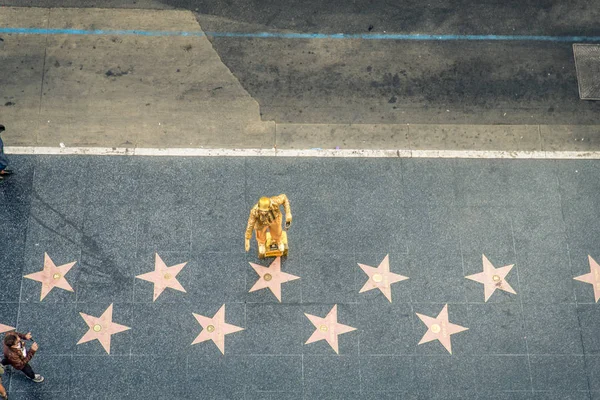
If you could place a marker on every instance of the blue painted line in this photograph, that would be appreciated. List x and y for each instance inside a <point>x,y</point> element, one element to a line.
<point>100,32</point>
<point>284,35</point>
<point>395,36</point>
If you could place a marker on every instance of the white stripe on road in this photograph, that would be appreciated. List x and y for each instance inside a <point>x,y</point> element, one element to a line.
<point>316,152</point>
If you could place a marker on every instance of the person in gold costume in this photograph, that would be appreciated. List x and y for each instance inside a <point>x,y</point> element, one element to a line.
<point>266,215</point>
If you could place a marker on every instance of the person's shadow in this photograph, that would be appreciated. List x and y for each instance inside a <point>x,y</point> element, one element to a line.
<point>99,266</point>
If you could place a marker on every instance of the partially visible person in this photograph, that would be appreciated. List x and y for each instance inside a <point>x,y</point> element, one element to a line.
<point>3,393</point>
<point>3,159</point>
<point>18,357</point>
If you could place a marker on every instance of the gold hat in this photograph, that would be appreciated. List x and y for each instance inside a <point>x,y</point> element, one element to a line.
<point>264,203</point>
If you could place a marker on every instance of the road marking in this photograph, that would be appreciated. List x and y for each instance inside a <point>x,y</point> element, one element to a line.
<point>297,35</point>
<point>341,153</point>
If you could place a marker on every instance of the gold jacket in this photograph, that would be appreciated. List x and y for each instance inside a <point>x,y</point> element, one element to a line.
<point>254,220</point>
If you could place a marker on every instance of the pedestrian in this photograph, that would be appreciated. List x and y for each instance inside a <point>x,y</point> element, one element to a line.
<point>17,356</point>
<point>2,390</point>
<point>3,158</point>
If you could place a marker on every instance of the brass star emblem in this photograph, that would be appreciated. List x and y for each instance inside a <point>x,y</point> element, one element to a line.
<point>52,276</point>
<point>271,277</point>
<point>439,328</point>
<point>492,278</point>
<point>593,277</point>
<point>101,328</point>
<point>381,278</point>
<point>328,329</point>
<point>163,277</point>
<point>215,329</point>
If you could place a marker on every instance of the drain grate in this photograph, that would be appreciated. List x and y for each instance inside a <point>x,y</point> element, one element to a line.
<point>587,63</point>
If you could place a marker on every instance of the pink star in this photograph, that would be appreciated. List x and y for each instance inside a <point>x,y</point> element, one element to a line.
<point>271,277</point>
<point>6,328</point>
<point>381,278</point>
<point>439,328</point>
<point>215,329</point>
<point>492,278</point>
<point>163,277</point>
<point>52,276</point>
<point>328,329</point>
<point>101,328</point>
<point>593,277</point>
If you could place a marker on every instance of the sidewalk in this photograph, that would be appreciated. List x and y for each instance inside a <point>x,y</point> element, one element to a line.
<point>129,91</point>
<point>433,217</point>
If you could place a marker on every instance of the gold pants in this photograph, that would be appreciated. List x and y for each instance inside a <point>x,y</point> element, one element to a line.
<point>274,228</point>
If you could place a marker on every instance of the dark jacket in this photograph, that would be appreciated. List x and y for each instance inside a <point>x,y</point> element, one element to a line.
<point>15,356</point>
<point>3,158</point>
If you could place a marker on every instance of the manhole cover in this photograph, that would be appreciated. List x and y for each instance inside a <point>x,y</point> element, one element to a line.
<point>587,63</point>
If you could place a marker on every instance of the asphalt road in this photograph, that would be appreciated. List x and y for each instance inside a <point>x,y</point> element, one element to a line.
<point>392,81</point>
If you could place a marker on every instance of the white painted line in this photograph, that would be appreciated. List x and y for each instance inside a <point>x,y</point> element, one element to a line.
<point>479,154</point>
<point>19,150</point>
<point>199,152</point>
<point>342,153</point>
<point>569,155</point>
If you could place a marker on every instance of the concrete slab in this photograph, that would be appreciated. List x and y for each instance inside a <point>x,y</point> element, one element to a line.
<point>570,137</point>
<point>481,137</point>
<point>107,18</point>
<point>331,136</point>
<point>15,17</point>
<point>123,91</point>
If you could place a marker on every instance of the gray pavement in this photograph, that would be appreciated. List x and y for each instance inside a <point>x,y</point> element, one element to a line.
<point>119,91</point>
<point>132,91</point>
<point>369,82</point>
<point>435,218</point>
<point>396,82</point>
<point>380,81</point>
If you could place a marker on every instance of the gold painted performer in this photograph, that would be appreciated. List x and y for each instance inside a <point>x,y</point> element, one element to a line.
<point>266,215</point>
